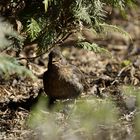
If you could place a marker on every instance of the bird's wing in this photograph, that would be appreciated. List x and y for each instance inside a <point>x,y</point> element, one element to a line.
<point>81,77</point>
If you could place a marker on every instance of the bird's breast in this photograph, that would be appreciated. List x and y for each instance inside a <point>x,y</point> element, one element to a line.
<point>62,82</point>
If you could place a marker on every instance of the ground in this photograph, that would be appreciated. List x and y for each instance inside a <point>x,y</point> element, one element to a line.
<point>106,74</point>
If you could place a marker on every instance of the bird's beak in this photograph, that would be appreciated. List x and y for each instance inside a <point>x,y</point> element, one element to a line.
<point>56,60</point>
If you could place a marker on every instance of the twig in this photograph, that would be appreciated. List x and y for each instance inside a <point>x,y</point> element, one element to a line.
<point>31,58</point>
<point>65,37</point>
<point>58,42</point>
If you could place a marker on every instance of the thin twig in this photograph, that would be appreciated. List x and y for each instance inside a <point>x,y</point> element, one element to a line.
<point>65,37</point>
<point>31,58</point>
<point>52,46</point>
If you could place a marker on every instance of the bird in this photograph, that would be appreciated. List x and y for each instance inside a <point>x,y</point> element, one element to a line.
<point>62,80</point>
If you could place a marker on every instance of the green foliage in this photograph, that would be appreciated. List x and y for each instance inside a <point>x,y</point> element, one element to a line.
<point>84,119</point>
<point>33,29</point>
<point>7,34</point>
<point>10,66</point>
<point>46,4</point>
<point>126,63</point>
<point>106,28</point>
<point>48,23</point>
<point>83,11</point>
<point>94,113</point>
<point>92,47</point>
<point>121,4</point>
<point>61,17</point>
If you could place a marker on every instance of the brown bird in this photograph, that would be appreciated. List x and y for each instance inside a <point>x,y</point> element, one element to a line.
<point>62,80</point>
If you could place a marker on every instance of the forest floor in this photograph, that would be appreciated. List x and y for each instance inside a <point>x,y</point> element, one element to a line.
<point>107,74</point>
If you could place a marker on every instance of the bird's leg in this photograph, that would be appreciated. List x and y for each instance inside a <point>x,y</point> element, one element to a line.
<point>51,102</point>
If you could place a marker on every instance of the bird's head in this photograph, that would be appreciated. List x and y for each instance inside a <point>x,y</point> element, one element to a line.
<point>56,56</point>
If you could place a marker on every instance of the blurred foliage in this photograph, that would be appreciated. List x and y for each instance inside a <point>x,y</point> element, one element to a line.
<point>92,47</point>
<point>9,38</point>
<point>112,28</point>
<point>134,92</point>
<point>9,66</point>
<point>126,63</point>
<point>84,119</point>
